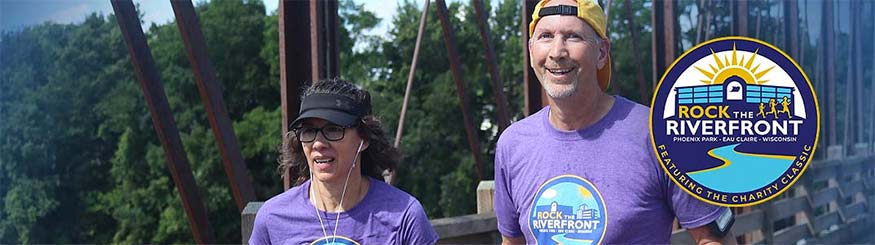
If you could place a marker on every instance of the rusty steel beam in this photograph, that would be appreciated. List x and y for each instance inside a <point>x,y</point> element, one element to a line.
<point>331,23</point>
<point>848,98</point>
<point>791,25</point>
<point>400,130</point>
<point>501,105</point>
<point>211,96</point>
<point>830,79</point>
<point>456,67</point>
<point>656,40</point>
<point>315,44</point>
<point>871,91</point>
<point>535,96</point>
<point>663,42</point>
<point>324,53</point>
<point>294,66</point>
<point>165,126</point>
<point>390,178</point>
<point>741,14</point>
<point>309,51</point>
<point>858,71</point>
<point>668,21</point>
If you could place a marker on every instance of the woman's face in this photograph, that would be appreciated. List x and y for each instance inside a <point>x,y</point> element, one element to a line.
<point>330,158</point>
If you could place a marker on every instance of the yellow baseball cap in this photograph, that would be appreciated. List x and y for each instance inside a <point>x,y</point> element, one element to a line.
<point>590,12</point>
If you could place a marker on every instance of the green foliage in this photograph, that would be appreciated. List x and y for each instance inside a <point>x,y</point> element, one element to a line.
<point>27,201</point>
<point>80,159</point>
<point>624,76</point>
<point>260,133</point>
<point>50,143</point>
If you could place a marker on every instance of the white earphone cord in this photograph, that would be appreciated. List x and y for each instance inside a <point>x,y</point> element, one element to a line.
<point>342,195</point>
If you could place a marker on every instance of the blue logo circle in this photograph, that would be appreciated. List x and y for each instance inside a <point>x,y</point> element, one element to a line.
<point>734,121</point>
<point>568,209</point>
<point>335,240</point>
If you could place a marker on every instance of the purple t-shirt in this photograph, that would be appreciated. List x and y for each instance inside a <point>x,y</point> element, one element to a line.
<point>386,215</point>
<point>597,184</point>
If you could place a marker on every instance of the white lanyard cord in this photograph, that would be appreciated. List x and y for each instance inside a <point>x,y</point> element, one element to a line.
<point>343,194</point>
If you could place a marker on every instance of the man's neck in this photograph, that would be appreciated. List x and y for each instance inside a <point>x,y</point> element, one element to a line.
<point>579,110</point>
<point>328,195</point>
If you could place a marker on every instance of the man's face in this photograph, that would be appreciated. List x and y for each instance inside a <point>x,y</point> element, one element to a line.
<point>564,51</point>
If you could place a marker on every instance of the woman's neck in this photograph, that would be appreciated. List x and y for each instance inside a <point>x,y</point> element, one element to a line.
<point>329,196</point>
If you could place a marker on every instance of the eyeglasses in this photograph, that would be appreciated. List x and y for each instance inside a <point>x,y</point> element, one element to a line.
<point>329,132</point>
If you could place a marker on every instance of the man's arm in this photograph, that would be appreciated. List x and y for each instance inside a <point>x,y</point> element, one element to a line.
<point>512,240</point>
<point>506,213</point>
<point>703,236</point>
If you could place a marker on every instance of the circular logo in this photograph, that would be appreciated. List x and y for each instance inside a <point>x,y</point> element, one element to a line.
<point>334,240</point>
<point>568,209</point>
<point>734,121</point>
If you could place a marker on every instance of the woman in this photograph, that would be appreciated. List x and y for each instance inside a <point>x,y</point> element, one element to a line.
<point>336,155</point>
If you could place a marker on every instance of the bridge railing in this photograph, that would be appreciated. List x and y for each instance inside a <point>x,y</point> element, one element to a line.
<point>832,203</point>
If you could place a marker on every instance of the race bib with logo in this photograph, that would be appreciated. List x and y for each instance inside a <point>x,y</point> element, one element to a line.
<point>568,210</point>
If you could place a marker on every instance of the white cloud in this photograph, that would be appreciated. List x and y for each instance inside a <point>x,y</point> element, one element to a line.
<point>549,194</point>
<point>71,14</point>
<point>270,6</point>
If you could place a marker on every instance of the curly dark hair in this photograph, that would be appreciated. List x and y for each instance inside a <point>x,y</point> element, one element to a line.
<point>380,154</point>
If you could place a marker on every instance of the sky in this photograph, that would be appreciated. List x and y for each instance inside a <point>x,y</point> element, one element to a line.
<point>16,14</point>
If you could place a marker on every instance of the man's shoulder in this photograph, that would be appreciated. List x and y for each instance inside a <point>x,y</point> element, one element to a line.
<point>632,115</point>
<point>636,111</point>
<point>527,127</point>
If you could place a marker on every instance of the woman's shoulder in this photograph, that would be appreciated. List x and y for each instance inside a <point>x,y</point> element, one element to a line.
<point>386,194</point>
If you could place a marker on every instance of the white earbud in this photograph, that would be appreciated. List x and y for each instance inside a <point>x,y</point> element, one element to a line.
<point>357,151</point>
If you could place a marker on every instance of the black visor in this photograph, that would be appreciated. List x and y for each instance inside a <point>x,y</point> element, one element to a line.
<point>336,109</point>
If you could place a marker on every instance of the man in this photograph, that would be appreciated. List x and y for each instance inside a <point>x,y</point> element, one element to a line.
<point>583,169</point>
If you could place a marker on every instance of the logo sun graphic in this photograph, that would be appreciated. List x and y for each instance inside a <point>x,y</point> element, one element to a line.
<point>735,67</point>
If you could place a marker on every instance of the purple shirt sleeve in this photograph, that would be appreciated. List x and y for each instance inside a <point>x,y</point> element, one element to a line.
<point>690,212</point>
<point>505,211</point>
<point>259,230</point>
<point>417,228</point>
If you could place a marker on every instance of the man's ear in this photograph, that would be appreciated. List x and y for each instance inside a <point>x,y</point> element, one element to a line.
<point>531,61</point>
<point>604,50</point>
